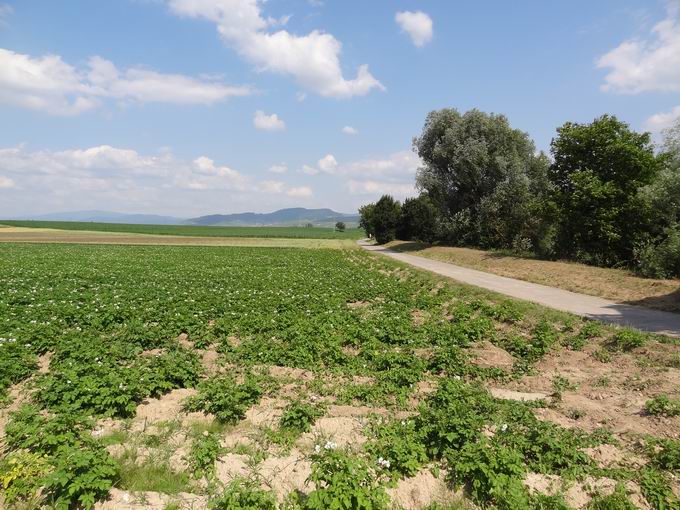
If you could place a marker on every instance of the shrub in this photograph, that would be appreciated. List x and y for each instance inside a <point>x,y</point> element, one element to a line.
<point>626,340</point>
<point>300,416</point>
<point>243,494</point>
<point>667,455</point>
<point>660,260</point>
<point>343,482</point>
<point>224,398</point>
<point>386,219</point>
<point>205,449</point>
<point>397,446</point>
<point>661,405</point>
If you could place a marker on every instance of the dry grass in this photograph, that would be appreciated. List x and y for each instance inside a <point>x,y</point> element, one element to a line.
<point>613,284</point>
<point>45,235</point>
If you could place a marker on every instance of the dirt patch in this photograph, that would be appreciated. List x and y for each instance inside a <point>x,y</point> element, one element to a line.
<point>487,355</point>
<point>419,317</point>
<point>610,395</point>
<point>343,430</point>
<point>231,466</point>
<point>285,474</point>
<point>125,500</point>
<point>607,456</point>
<point>358,304</point>
<point>419,491</point>
<point>521,396</point>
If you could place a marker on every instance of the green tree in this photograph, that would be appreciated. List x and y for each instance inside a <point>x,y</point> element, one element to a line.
<point>366,219</point>
<point>466,158</point>
<point>386,216</point>
<point>340,226</point>
<point>418,220</point>
<point>597,172</point>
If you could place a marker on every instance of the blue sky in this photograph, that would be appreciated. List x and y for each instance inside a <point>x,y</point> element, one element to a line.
<point>190,107</point>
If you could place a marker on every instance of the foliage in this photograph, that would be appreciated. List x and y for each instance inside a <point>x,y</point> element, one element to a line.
<point>299,416</point>
<point>225,398</point>
<point>366,219</point>
<point>617,500</point>
<point>22,472</point>
<point>418,221</point>
<point>397,446</point>
<point>243,494</point>
<point>205,448</point>
<point>598,170</point>
<point>626,340</point>
<point>340,226</point>
<point>385,219</point>
<point>657,492</point>
<point>343,482</point>
<point>662,405</point>
<point>80,469</point>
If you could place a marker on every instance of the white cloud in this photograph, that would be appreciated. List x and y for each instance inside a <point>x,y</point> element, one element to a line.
<point>108,177</point>
<point>309,170</point>
<point>268,122</point>
<point>278,169</point>
<point>299,192</point>
<point>394,175</point>
<point>312,59</point>
<point>400,165</point>
<point>660,121</point>
<point>349,130</point>
<point>417,25</point>
<point>50,85</point>
<point>370,187</point>
<point>6,182</point>
<point>328,164</point>
<point>644,65</point>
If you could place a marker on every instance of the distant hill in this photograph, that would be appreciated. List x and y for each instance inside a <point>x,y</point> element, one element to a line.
<point>297,216</point>
<point>107,217</point>
<point>284,217</point>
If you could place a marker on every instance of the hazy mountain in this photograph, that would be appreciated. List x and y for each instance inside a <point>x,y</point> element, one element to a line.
<point>283,217</point>
<point>107,217</point>
<point>287,217</point>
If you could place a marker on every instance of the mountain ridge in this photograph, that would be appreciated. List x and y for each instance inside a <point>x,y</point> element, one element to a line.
<point>293,216</point>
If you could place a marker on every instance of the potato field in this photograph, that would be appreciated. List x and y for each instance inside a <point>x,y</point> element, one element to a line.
<point>284,378</point>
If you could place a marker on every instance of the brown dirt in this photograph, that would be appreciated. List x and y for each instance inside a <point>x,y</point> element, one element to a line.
<point>487,355</point>
<point>579,494</point>
<point>615,284</point>
<point>285,474</point>
<point>618,405</point>
<point>44,235</point>
<point>125,500</point>
<point>419,491</point>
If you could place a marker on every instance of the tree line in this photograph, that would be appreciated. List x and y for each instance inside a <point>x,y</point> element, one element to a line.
<point>605,196</point>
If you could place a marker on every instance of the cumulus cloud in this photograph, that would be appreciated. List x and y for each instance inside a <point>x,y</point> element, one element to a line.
<point>370,187</point>
<point>278,169</point>
<point>394,174</point>
<point>417,25</point>
<point>660,121</point>
<point>328,164</point>
<point>117,178</point>
<point>312,59</point>
<point>349,130</point>
<point>647,64</point>
<point>268,122</point>
<point>6,182</point>
<point>50,85</point>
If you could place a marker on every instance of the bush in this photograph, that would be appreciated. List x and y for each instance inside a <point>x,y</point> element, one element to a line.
<point>243,494</point>
<point>626,340</point>
<point>385,219</point>
<point>397,446</point>
<point>343,482</point>
<point>661,405</point>
<point>661,260</point>
<point>299,416</point>
<point>226,399</point>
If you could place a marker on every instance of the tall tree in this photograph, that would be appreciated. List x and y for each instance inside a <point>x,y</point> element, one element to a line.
<point>597,172</point>
<point>386,215</point>
<point>466,157</point>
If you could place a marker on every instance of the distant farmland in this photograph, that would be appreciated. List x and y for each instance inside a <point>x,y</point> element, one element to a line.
<point>191,230</point>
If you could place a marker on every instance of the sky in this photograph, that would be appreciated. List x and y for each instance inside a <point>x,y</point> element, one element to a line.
<point>192,107</point>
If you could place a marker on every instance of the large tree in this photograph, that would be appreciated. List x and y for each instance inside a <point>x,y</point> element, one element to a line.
<point>472,162</point>
<point>386,215</point>
<point>597,172</point>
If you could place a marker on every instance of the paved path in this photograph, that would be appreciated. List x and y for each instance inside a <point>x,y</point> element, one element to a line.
<point>653,321</point>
